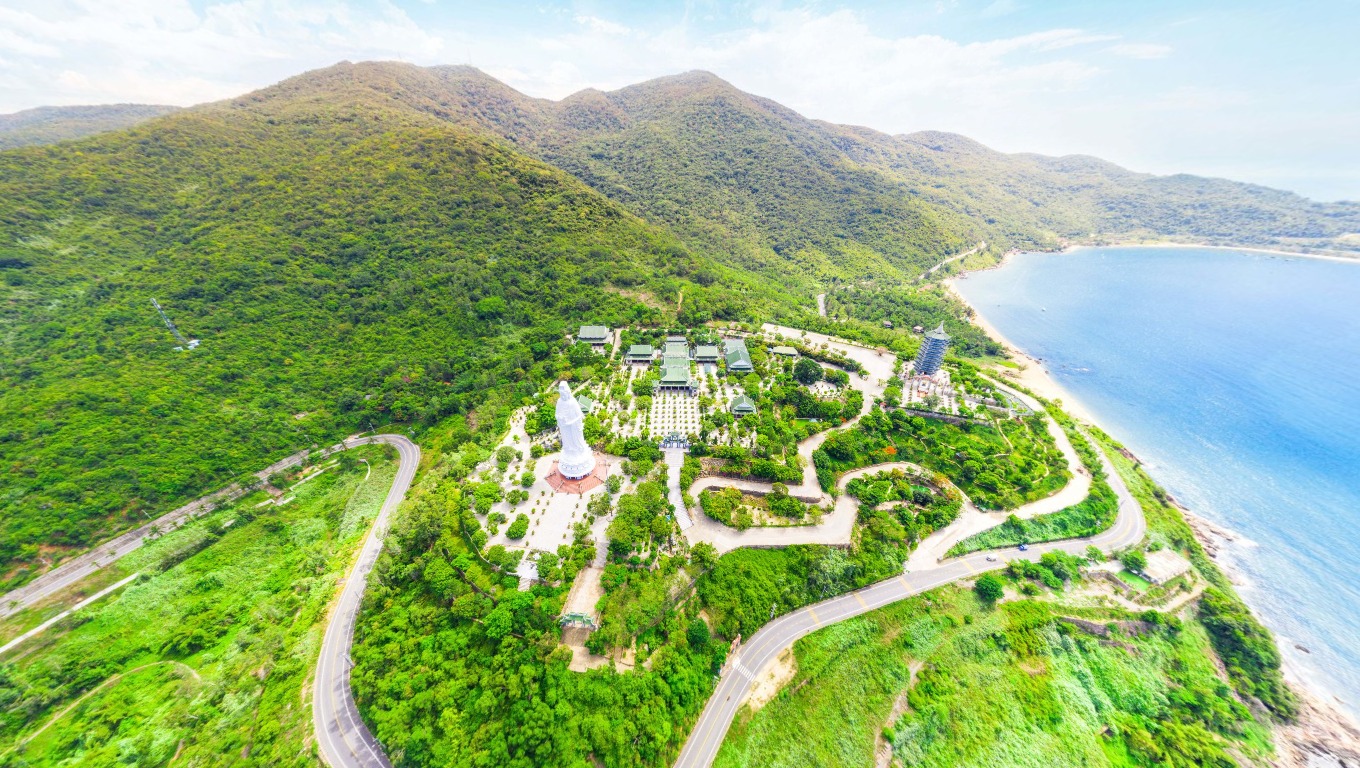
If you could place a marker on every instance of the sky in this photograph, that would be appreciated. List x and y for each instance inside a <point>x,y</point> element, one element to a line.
<point>1253,91</point>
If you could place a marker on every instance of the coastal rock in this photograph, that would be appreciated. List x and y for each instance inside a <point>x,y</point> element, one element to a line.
<point>1211,536</point>
<point>1323,736</point>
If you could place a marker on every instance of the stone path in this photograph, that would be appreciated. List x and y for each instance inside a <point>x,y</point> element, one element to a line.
<point>675,459</point>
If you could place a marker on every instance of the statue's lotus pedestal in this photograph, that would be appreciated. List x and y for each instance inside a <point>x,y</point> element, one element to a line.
<point>560,483</point>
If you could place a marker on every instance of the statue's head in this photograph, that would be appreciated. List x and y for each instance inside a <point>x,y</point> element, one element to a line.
<point>563,390</point>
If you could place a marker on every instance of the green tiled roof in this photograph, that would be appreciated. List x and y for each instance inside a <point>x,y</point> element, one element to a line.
<point>743,404</point>
<point>589,333</point>
<point>638,351</point>
<point>738,358</point>
<point>675,376</point>
<point>706,353</point>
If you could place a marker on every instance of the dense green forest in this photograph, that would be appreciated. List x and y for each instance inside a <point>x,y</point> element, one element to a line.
<point>726,171</point>
<point>386,246</point>
<point>454,666</point>
<point>999,465</point>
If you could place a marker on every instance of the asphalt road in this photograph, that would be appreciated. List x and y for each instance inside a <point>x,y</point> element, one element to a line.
<point>83,565</point>
<point>341,736</point>
<point>767,643</point>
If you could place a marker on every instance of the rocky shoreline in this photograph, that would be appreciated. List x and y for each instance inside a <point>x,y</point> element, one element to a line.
<point>1324,736</point>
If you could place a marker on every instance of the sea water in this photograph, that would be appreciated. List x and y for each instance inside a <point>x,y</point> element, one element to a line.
<point>1235,376</point>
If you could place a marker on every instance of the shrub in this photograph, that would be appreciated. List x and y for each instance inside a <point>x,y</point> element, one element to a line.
<point>518,528</point>
<point>989,588</point>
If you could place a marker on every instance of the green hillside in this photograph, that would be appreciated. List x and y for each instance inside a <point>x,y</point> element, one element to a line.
<point>772,189</point>
<point>384,246</point>
<point>48,125</point>
<point>344,264</point>
<point>1033,199</point>
<point>382,243</point>
<point>733,174</point>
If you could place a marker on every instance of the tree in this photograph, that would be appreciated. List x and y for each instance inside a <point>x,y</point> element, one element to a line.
<point>989,588</point>
<point>704,554</point>
<point>807,371</point>
<point>519,527</point>
<point>491,307</point>
<point>697,634</point>
<point>1134,560</point>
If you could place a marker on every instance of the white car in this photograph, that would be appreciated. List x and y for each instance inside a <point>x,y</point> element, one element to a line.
<point>991,558</point>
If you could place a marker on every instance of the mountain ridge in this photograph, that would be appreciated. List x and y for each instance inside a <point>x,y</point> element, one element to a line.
<point>1102,199</point>
<point>950,188</point>
<point>48,125</point>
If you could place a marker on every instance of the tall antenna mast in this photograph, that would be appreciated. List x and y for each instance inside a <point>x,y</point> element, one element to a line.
<point>185,343</point>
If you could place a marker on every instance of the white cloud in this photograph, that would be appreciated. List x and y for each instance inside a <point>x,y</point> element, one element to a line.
<point>596,24</point>
<point>168,51</point>
<point>831,65</point>
<point>1141,50</point>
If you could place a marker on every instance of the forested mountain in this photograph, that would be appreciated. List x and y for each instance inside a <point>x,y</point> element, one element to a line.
<point>48,125</point>
<point>385,246</point>
<point>344,263</point>
<point>735,174</point>
<point>1033,198</point>
<point>768,186</point>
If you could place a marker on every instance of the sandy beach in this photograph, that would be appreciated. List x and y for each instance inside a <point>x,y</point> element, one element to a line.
<point>1269,251</point>
<point>1032,375</point>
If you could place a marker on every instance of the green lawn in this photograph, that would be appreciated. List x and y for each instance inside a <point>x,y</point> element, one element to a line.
<point>1134,580</point>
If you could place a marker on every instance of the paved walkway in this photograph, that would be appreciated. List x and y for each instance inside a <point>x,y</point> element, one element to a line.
<point>83,603</point>
<point>772,639</point>
<point>675,459</point>
<point>837,526</point>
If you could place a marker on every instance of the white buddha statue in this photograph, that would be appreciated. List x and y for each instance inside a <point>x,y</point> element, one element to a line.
<point>577,460</point>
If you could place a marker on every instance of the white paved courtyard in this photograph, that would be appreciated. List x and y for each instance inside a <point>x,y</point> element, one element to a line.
<point>676,413</point>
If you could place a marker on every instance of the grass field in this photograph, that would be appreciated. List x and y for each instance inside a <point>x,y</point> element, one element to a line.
<point>207,653</point>
<point>1011,686</point>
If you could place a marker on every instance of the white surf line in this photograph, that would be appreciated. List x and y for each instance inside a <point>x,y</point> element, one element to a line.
<point>43,626</point>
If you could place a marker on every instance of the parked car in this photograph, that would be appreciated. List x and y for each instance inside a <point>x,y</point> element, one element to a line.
<point>1024,547</point>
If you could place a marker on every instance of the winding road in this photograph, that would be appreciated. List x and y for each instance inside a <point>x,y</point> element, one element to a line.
<point>341,736</point>
<point>344,741</point>
<point>964,255</point>
<point>742,668</point>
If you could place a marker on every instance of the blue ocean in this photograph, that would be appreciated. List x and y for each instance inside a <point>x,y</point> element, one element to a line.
<point>1235,376</point>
